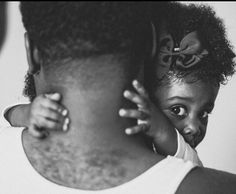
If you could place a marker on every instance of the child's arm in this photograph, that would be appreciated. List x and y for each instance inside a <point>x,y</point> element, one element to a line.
<point>154,123</point>
<point>166,139</point>
<point>43,114</point>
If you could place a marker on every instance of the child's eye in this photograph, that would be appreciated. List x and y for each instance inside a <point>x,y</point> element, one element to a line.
<point>179,111</point>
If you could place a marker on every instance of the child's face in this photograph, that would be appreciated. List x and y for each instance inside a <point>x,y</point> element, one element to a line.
<point>187,105</point>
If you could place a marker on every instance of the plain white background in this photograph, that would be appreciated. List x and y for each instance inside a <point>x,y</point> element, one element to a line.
<point>218,150</point>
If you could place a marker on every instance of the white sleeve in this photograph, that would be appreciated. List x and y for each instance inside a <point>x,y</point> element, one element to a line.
<point>186,152</point>
<point>3,120</point>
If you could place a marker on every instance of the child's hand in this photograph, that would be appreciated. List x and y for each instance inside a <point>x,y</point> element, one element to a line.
<point>143,113</point>
<point>151,121</point>
<point>45,114</point>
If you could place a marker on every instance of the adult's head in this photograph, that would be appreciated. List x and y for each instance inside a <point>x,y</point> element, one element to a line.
<point>63,39</point>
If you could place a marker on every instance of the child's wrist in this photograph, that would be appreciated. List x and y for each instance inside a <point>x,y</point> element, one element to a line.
<point>164,142</point>
<point>159,136</point>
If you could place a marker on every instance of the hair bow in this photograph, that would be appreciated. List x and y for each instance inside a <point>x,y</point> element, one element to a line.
<point>189,53</point>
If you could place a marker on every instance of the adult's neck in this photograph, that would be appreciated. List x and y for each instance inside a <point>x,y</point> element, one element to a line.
<point>95,139</point>
<point>94,118</point>
<point>92,91</point>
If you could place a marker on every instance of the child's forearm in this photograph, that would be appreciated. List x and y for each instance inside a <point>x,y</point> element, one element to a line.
<point>165,138</point>
<point>17,115</point>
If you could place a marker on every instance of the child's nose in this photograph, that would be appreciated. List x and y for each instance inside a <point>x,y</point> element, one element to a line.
<point>192,128</point>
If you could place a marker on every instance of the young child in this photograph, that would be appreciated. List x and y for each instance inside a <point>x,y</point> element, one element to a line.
<point>192,60</point>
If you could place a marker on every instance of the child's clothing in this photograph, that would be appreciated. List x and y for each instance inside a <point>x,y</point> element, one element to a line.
<point>4,120</point>
<point>6,112</point>
<point>186,152</point>
<point>19,177</point>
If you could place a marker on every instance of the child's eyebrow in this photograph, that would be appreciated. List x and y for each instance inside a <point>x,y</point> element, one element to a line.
<point>190,99</point>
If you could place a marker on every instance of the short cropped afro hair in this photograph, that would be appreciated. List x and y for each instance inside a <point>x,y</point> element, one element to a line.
<point>180,20</point>
<point>81,29</point>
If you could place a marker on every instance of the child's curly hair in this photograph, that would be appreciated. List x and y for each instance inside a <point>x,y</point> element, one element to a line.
<point>180,20</point>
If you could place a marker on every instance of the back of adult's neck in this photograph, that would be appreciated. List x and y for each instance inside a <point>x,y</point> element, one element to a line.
<point>95,144</point>
<point>94,119</point>
<point>92,91</point>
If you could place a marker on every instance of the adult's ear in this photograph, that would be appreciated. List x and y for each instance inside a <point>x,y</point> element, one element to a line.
<point>32,56</point>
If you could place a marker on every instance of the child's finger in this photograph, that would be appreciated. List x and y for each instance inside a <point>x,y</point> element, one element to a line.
<point>50,114</point>
<point>66,123</point>
<point>49,104</point>
<point>137,129</point>
<point>135,98</point>
<point>48,124</point>
<point>133,113</point>
<point>140,122</point>
<point>140,89</point>
<point>54,96</point>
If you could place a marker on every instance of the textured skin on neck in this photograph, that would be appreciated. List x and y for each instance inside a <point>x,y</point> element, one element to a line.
<point>74,167</point>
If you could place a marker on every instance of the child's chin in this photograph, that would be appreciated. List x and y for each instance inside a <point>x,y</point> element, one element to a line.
<point>193,144</point>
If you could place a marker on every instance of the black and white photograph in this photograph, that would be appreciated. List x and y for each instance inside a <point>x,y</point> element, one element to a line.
<point>117,97</point>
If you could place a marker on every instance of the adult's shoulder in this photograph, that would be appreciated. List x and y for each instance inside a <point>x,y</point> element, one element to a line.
<point>208,181</point>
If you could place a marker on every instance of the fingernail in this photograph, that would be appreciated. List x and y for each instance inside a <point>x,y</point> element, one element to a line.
<point>67,120</point>
<point>121,112</point>
<point>128,131</point>
<point>66,125</point>
<point>135,82</point>
<point>126,93</point>
<point>64,112</point>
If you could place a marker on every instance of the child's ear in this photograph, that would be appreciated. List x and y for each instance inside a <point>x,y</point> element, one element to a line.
<point>32,56</point>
